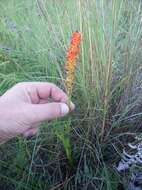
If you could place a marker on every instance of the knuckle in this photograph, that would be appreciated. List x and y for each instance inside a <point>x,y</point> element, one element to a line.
<point>53,85</point>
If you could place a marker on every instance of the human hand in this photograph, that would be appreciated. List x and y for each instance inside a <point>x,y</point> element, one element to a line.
<point>27,104</point>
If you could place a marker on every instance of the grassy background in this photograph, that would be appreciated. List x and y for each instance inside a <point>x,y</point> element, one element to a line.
<point>34,36</point>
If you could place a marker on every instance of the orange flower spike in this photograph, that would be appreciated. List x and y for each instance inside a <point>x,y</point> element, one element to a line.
<point>71,57</point>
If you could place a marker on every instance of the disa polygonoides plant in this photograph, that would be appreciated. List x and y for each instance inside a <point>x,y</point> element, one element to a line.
<point>70,67</point>
<point>71,61</point>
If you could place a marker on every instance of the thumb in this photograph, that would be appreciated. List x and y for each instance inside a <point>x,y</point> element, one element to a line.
<point>49,111</point>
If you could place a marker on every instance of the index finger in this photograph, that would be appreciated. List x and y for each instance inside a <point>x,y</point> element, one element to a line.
<point>45,90</point>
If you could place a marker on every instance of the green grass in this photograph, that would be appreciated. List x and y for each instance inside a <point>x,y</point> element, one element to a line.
<point>77,152</point>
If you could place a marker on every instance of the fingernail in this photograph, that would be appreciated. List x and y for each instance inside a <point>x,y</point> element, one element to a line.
<point>64,109</point>
<point>72,106</point>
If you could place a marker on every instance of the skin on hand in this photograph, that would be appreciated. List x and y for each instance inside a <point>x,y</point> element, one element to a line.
<point>27,104</point>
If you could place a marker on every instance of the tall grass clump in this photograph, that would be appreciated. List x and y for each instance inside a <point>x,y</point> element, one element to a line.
<point>34,38</point>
